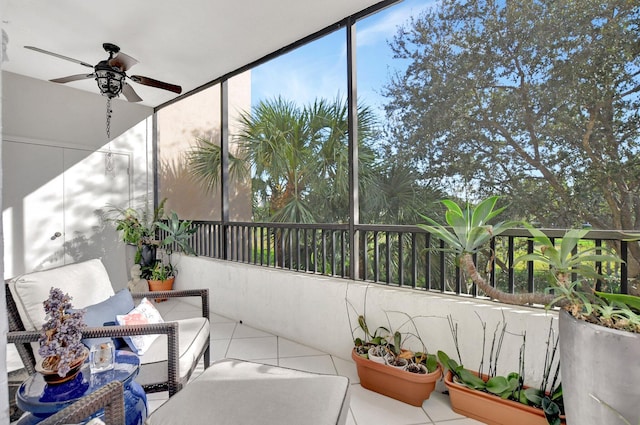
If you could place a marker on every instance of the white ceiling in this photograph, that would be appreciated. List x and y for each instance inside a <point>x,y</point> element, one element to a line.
<point>186,42</point>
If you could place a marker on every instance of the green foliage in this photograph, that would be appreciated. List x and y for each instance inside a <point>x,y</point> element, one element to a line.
<point>390,345</point>
<point>298,157</point>
<point>178,232</point>
<point>177,235</point>
<point>204,161</point>
<point>378,337</point>
<point>567,259</point>
<point>631,301</point>
<point>483,102</point>
<point>573,277</point>
<point>572,268</point>
<point>160,271</point>
<point>138,227</point>
<point>507,387</point>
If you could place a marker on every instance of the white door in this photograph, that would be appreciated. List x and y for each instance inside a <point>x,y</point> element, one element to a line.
<point>92,182</point>
<point>32,207</point>
<point>54,199</point>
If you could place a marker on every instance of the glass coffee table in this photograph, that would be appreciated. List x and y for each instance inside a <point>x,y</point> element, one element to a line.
<point>39,400</point>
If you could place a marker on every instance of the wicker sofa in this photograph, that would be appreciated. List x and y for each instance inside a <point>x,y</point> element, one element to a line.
<point>166,366</point>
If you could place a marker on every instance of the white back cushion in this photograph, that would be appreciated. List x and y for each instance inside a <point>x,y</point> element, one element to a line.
<point>86,282</point>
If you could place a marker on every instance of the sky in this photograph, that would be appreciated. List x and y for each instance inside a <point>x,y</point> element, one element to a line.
<point>318,69</point>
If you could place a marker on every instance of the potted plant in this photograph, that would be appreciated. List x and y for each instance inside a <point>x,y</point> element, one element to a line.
<point>596,330</point>
<point>61,339</point>
<point>161,274</point>
<point>505,399</point>
<point>160,277</point>
<point>138,228</point>
<point>401,374</point>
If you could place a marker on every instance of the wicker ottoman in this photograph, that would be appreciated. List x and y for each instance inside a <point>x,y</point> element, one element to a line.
<point>235,392</point>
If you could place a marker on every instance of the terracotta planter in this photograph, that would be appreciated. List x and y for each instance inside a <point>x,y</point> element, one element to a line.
<point>411,388</point>
<point>161,285</point>
<point>490,409</point>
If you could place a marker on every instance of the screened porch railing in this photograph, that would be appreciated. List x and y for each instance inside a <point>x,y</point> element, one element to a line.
<point>394,255</point>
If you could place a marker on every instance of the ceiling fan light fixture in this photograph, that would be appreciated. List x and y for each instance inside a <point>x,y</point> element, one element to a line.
<point>110,81</point>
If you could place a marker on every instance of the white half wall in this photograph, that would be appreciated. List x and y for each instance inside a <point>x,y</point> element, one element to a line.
<point>312,310</point>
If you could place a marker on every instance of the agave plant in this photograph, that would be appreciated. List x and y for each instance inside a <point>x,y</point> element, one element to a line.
<point>468,231</point>
<point>572,272</point>
<point>178,232</point>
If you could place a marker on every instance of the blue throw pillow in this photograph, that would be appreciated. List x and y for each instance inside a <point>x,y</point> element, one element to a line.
<point>105,312</point>
<point>118,342</point>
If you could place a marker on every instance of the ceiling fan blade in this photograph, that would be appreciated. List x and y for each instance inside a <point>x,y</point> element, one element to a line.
<point>70,78</point>
<point>130,93</point>
<point>122,61</point>
<point>155,83</point>
<point>46,52</point>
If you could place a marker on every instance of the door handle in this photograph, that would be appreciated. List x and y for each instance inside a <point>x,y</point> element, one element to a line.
<point>55,236</point>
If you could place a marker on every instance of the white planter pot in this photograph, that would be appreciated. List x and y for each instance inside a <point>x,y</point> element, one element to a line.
<point>602,362</point>
<point>373,356</point>
<point>397,363</point>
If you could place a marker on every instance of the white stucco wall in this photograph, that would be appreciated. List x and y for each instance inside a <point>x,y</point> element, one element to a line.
<point>46,117</point>
<point>4,326</point>
<point>312,310</point>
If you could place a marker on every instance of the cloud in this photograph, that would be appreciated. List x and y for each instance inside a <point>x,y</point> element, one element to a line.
<point>318,69</point>
<point>380,27</point>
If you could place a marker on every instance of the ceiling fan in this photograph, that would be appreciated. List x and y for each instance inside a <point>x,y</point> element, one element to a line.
<point>111,74</point>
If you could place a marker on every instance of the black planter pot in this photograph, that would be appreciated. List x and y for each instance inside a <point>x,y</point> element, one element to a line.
<point>148,255</point>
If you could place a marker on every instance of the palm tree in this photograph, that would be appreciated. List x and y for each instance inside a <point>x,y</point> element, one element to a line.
<point>299,157</point>
<point>204,163</point>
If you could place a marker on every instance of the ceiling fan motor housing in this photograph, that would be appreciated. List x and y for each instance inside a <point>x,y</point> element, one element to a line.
<point>110,79</point>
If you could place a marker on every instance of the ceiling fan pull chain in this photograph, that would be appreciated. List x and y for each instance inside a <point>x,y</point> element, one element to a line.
<point>109,111</point>
<point>108,160</point>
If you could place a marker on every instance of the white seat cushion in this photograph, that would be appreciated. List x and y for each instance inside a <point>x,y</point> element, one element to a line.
<point>234,392</point>
<point>86,282</point>
<point>192,336</point>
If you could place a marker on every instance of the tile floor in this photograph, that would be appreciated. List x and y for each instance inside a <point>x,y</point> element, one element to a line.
<point>235,340</point>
